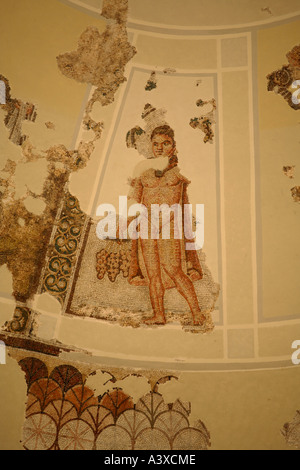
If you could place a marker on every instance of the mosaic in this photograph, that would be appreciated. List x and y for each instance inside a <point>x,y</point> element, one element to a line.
<point>64,414</point>
<point>284,81</point>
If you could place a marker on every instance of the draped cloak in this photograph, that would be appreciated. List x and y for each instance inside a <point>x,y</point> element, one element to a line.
<point>189,258</point>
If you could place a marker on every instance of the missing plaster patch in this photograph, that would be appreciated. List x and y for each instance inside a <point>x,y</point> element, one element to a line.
<point>289,171</point>
<point>152,82</point>
<point>16,111</point>
<point>169,71</point>
<point>135,386</point>
<point>6,278</point>
<point>296,193</point>
<point>30,177</point>
<point>267,10</point>
<point>13,394</point>
<point>291,432</point>
<point>100,60</point>
<point>34,205</point>
<point>50,125</point>
<point>100,382</point>
<point>206,121</point>
<point>116,10</point>
<point>285,81</point>
<point>169,389</point>
<point>7,311</point>
<point>46,303</point>
<point>175,389</point>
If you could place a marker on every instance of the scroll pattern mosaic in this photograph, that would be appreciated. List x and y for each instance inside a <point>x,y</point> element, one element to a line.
<point>63,255</point>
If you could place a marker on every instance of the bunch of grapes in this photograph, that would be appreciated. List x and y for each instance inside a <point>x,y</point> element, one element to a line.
<point>125,258</point>
<point>113,266</point>
<point>101,264</point>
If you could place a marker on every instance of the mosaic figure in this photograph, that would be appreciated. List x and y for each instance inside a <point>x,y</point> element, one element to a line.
<point>164,263</point>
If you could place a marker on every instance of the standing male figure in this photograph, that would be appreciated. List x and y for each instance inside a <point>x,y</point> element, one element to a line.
<point>164,263</point>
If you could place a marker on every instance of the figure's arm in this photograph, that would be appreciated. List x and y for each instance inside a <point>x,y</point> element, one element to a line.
<point>136,191</point>
<point>135,196</point>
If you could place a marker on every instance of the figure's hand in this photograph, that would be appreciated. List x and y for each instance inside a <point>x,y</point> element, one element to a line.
<point>120,235</point>
<point>118,239</point>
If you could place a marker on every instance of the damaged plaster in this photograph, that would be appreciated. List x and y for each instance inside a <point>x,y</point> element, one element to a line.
<point>291,432</point>
<point>282,82</point>
<point>135,385</point>
<point>289,171</point>
<point>63,405</point>
<point>267,10</point>
<point>139,138</point>
<point>28,213</point>
<point>100,60</point>
<point>24,246</point>
<point>116,10</point>
<point>152,82</point>
<point>16,111</point>
<point>296,193</point>
<point>50,125</point>
<point>206,121</point>
<point>26,241</point>
<point>169,71</point>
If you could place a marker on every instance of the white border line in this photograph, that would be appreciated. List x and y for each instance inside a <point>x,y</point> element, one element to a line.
<point>222,196</point>
<point>253,197</point>
<point>137,24</point>
<point>134,23</point>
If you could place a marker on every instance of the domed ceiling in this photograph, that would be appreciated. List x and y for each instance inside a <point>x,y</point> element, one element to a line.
<point>200,14</point>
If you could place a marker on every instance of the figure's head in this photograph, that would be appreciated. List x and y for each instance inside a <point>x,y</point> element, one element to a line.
<point>163,143</point>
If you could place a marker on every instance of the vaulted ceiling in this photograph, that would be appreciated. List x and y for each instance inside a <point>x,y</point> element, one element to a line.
<point>201,14</point>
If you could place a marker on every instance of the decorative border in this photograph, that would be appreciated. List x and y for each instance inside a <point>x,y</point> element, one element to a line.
<point>64,249</point>
<point>64,414</point>
<point>21,322</point>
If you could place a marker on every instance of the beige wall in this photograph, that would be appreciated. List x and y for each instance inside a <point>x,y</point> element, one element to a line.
<point>258,226</point>
<point>279,146</point>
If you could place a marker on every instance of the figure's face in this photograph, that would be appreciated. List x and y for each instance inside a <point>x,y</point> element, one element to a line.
<point>162,146</point>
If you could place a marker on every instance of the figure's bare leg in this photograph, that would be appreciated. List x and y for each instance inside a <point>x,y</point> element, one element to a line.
<point>156,289</point>
<point>171,254</point>
<point>186,288</point>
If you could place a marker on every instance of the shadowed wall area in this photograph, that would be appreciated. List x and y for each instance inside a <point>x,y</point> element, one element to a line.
<point>149,343</point>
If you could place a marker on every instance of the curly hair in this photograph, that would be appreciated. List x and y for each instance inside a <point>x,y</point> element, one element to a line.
<point>164,130</point>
